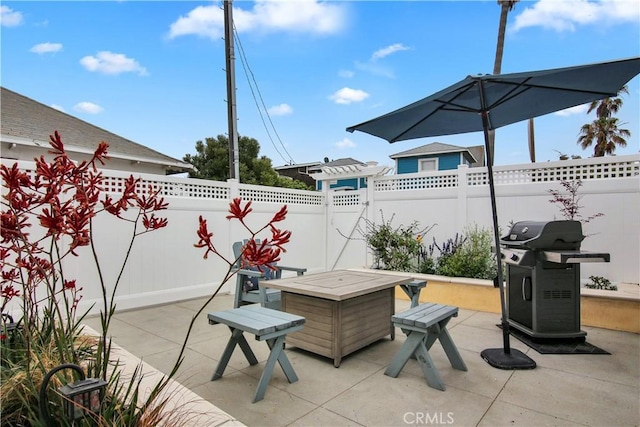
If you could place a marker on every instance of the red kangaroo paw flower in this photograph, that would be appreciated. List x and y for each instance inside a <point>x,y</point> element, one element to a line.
<point>236,210</point>
<point>280,215</point>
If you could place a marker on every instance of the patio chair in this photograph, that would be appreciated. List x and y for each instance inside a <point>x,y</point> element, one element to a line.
<point>248,289</point>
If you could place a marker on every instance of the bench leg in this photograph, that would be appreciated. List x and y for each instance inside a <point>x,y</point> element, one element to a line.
<point>414,339</point>
<point>417,346</point>
<point>439,332</point>
<point>451,350</point>
<point>428,368</point>
<point>237,338</point>
<point>277,354</point>
<point>277,345</point>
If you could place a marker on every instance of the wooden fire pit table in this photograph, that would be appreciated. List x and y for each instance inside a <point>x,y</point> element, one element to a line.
<point>344,310</point>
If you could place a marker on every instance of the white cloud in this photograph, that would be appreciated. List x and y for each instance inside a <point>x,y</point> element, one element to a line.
<point>280,110</point>
<point>565,15</point>
<point>347,74</point>
<point>205,21</point>
<point>372,66</point>
<point>386,51</point>
<point>57,107</point>
<point>9,17</point>
<point>302,16</point>
<point>46,48</point>
<point>345,143</point>
<point>578,109</point>
<point>88,107</point>
<point>112,63</point>
<point>346,95</point>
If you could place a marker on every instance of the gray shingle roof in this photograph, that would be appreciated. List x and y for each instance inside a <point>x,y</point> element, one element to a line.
<point>24,118</point>
<point>339,162</point>
<point>433,148</point>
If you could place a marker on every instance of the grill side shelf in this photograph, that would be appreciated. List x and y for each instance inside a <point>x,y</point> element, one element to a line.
<point>574,257</point>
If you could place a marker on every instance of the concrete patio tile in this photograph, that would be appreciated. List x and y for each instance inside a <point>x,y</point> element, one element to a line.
<point>614,341</point>
<point>319,381</point>
<point>562,390</point>
<point>477,339</point>
<point>573,397</point>
<point>481,319</point>
<point>322,417</point>
<point>136,341</point>
<point>621,368</point>
<point>234,394</point>
<point>171,320</point>
<point>462,316</point>
<point>381,352</point>
<point>221,301</point>
<point>505,414</point>
<point>480,378</point>
<point>402,305</point>
<point>215,345</point>
<point>410,401</point>
<point>196,369</point>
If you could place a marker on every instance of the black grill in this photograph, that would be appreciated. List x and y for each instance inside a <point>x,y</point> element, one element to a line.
<point>543,277</point>
<point>551,235</point>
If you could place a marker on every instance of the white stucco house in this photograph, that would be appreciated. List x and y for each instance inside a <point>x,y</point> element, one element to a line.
<point>26,125</point>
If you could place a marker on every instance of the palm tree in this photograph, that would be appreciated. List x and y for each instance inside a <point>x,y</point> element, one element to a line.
<point>605,130</point>
<point>506,6</point>
<point>608,106</point>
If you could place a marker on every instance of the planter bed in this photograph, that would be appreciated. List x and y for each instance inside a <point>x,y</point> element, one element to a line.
<point>197,411</point>
<point>616,310</point>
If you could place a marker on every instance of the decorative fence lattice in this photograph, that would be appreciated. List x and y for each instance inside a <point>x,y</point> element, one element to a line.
<point>269,195</point>
<point>398,182</point>
<point>346,199</point>
<point>570,170</point>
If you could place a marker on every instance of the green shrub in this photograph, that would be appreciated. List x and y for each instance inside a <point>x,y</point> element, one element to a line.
<point>469,256</point>
<point>402,249</point>
<point>598,282</point>
<point>396,248</point>
<point>426,262</point>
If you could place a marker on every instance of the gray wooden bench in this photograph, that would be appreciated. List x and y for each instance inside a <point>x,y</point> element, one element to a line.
<point>413,289</point>
<point>267,325</point>
<point>424,324</point>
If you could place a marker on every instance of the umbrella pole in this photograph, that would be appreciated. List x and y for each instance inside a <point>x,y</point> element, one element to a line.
<point>501,358</point>
<point>496,236</point>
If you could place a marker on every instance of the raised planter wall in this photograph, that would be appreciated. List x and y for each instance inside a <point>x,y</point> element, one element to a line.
<point>615,310</point>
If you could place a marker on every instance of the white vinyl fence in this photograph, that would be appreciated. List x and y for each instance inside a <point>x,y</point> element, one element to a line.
<point>452,200</point>
<point>165,266</point>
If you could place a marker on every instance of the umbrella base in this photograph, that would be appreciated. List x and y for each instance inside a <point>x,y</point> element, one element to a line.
<point>516,359</point>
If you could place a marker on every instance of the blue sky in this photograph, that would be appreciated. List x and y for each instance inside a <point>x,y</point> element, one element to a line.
<point>153,71</point>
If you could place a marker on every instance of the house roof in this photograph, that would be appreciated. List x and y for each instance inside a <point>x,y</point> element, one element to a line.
<point>478,152</point>
<point>297,165</point>
<point>347,161</point>
<point>433,148</point>
<point>28,122</point>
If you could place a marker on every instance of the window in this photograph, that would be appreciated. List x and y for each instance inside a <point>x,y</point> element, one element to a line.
<point>428,165</point>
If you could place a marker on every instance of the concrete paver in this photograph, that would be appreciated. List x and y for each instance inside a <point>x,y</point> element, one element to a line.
<point>564,390</point>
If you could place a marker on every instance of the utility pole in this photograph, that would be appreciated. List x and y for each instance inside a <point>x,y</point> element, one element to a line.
<point>234,157</point>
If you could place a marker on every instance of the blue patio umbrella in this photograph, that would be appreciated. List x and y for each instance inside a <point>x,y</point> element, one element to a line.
<point>486,102</point>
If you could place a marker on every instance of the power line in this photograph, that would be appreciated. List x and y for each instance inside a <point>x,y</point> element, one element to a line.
<point>247,72</point>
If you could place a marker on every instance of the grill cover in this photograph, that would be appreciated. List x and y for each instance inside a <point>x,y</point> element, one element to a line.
<point>547,235</point>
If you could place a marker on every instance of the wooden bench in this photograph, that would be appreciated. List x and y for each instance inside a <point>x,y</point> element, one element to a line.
<point>413,289</point>
<point>267,325</point>
<point>424,324</point>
